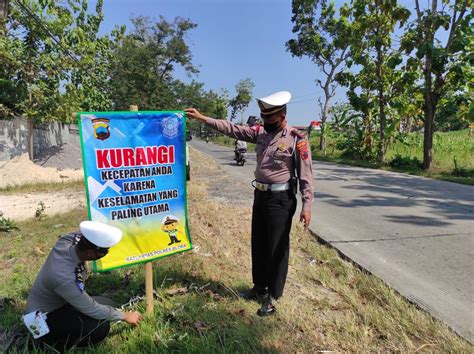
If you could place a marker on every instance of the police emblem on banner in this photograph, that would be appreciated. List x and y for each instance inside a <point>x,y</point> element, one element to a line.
<point>170,127</point>
<point>101,128</point>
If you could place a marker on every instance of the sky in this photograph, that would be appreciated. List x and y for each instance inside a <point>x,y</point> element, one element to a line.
<point>234,40</point>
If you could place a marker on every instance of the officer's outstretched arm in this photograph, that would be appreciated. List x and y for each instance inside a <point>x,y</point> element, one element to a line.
<point>193,113</point>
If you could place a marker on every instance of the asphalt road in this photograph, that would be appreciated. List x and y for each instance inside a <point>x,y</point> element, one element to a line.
<point>415,233</point>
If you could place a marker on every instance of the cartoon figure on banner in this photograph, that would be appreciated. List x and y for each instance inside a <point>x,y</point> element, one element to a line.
<point>169,226</point>
<point>101,128</point>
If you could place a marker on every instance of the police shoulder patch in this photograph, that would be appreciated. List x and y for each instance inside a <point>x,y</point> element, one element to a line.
<point>302,147</point>
<point>79,277</point>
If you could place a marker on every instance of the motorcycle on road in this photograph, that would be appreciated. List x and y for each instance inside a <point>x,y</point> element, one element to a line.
<point>240,156</point>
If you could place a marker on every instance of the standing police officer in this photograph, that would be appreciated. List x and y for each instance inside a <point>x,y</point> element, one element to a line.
<point>283,158</point>
<point>58,309</point>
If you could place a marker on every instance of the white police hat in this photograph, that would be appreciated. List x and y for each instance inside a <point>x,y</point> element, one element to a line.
<point>274,103</point>
<point>99,234</point>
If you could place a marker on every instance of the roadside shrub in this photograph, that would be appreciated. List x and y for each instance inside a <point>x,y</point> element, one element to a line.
<point>405,162</point>
<point>459,171</point>
<point>6,224</point>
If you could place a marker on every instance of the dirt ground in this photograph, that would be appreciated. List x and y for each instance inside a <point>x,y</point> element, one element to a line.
<point>23,206</point>
<point>21,170</point>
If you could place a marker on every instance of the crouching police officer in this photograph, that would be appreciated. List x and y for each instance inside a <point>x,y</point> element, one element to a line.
<point>58,309</point>
<point>283,158</point>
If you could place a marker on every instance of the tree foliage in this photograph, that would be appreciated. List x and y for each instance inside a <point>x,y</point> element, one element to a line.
<point>443,64</point>
<point>54,62</point>
<point>324,38</point>
<point>375,86</point>
<point>240,102</point>
<point>403,70</point>
<point>144,62</point>
<point>54,59</point>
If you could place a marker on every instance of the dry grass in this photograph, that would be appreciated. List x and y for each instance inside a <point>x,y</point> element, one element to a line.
<point>329,304</point>
<point>42,187</point>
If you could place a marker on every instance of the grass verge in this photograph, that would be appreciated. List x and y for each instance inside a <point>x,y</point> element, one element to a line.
<point>329,304</point>
<point>42,187</point>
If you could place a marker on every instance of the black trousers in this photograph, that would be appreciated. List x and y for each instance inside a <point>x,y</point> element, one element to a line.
<point>271,224</point>
<point>68,327</point>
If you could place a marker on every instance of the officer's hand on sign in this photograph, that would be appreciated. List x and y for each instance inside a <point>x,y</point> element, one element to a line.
<point>193,113</point>
<point>305,217</point>
<point>133,318</point>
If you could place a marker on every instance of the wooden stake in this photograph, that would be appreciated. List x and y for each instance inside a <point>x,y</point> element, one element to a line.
<point>148,266</point>
<point>149,287</point>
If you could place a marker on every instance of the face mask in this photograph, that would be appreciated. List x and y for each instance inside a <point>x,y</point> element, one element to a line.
<point>270,128</point>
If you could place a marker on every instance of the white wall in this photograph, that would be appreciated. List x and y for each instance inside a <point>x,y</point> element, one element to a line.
<point>13,137</point>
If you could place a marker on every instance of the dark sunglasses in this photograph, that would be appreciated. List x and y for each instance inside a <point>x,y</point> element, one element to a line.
<point>267,116</point>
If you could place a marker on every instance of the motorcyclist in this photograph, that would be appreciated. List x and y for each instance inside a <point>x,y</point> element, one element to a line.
<point>240,148</point>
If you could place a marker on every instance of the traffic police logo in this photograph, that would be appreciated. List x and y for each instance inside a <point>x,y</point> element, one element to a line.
<point>170,127</point>
<point>101,128</point>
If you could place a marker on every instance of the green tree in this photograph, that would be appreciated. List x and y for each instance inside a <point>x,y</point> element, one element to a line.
<point>85,90</point>
<point>44,46</point>
<point>324,38</point>
<point>209,103</point>
<point>439,60</point>
<point>243,96</point>
<point>371,47</point>
<point>144,61</point>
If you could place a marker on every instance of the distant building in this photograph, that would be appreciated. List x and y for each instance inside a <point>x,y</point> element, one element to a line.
<point>314,125</point>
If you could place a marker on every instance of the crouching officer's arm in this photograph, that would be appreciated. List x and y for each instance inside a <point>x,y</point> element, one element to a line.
<point>88,306</point>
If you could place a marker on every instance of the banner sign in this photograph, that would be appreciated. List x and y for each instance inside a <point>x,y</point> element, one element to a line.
<point>135,176</point>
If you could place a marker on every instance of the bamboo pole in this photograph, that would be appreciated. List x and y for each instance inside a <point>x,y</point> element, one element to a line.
<point>148,266</point>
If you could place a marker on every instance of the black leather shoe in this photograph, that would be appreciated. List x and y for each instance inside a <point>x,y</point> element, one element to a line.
<point>267,308</point>
<point>252,294</point>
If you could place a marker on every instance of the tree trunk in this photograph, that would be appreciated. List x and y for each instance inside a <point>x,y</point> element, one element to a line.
<point>3,10</point>
<point>324,115</point>
<point>429,119</point>
<point>428,142</point>
<point>30,138</point>
<point>381,147</point>
<point>428,96</point>
<point>30,127</point>
<point>322,139</point>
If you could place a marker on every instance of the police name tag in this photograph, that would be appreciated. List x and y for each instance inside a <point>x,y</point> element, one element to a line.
<point>36,323</point>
